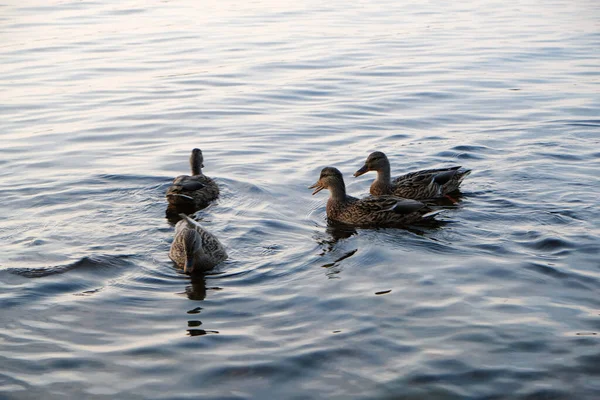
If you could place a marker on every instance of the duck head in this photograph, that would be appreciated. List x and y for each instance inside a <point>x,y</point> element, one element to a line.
<point>330,178</point>
<point>196,161</point>
<point>376,161</point>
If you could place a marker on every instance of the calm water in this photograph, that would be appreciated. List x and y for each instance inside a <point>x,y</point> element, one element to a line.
<point>102,103</point>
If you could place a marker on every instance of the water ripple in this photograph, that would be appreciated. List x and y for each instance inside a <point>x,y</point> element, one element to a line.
<point>103,102</point>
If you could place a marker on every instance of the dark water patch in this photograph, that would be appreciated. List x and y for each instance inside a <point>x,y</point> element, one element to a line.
<point>549,244</point>
<point>138,179</point>
<point>461,155</point>
<point>96,264</point>
<point>70,363</point>
<point>473,149</point>
<point>491,248</point>
<point>500,272</point>
<point>152,281</point>
<point>547,270</point>
<point>433,138</point>
<point>589,364</point>
<point>562,156</point>
<point>569,277</point>
<point>435,95</point>
<point>546,394</point>
<point>594,123</point>
<point>525,346</point>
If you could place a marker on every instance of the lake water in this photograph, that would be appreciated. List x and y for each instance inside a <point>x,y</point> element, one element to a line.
<point>102,102</point>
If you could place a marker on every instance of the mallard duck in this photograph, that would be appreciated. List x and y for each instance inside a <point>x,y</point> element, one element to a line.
<point>195,191</point>
<point>419,185</point>
<point>194,249</point>
<point>374,211</point>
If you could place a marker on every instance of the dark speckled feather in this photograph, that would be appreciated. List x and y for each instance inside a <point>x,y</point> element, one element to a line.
<point>192,242</point>
<point>374,211</point>
<point>195,191</point>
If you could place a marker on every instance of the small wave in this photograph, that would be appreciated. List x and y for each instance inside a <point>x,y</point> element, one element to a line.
<point>549,244</point>
<point>103,262</point>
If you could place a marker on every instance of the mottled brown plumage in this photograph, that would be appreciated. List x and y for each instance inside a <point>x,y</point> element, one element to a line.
<point>192,192</point>
<point>194,249</point>
<point>374,211</point>
<point>419,185</point>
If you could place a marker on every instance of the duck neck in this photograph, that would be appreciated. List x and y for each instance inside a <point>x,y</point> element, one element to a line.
<point>337,191</point>
<point>384,175</point>
<point>196,164</point>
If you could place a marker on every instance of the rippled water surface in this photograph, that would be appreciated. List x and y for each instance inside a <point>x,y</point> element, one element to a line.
<point>101,103</point>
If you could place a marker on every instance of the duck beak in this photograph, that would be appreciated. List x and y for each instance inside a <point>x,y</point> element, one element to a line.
<point>317,186</point>
<point>361,171</point>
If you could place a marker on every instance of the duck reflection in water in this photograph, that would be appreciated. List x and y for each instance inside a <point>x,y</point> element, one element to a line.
<point>333,233</point>
<point>197,290</point>
<point>327,241</point>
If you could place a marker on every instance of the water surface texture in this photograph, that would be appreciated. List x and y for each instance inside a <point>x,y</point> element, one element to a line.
<point>102,102</point>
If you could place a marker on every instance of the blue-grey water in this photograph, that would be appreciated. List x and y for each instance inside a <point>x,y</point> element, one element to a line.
<point>101,103</point>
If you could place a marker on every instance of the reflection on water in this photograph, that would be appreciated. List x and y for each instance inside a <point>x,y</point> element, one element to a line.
<point>102,103</point>
<point>197,289</point>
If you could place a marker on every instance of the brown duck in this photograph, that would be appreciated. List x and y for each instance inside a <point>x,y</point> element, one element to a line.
<point>374,211</point>
<point>193,192</point>
<point>195,249</point>
<point>419,185</point>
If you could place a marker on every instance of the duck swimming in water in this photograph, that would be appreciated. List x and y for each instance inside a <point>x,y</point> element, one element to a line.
<point>374,211</point>
<point>419,185</point>
<point>192,192</point>
<point>195,249</point>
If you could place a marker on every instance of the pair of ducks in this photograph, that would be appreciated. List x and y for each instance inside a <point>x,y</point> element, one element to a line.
<point>393,203</point>
<point>194,249</point>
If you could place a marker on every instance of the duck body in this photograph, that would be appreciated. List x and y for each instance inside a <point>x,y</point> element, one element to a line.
<point>197,191</point>
<point>194,249</point>
<point>370,212</point>
<point>418,185</point>
<point>194,191</point>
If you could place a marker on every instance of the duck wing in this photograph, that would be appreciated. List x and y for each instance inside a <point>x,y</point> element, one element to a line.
<point>425,176</point>
<point>444,177</point>
<point>389,204</point>
<point>211,246</point>
<point>428,183</point>
<point>190,185</point>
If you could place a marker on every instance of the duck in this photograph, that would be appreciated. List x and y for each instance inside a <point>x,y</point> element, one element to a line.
<point>194,249</point>
<point>196,191</point>
<point>420,185</point>
<point>369,212</point>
